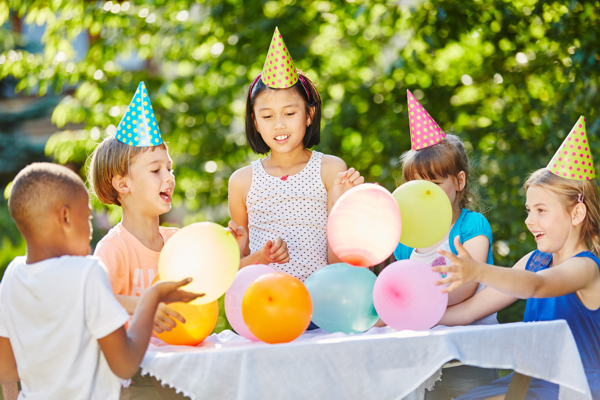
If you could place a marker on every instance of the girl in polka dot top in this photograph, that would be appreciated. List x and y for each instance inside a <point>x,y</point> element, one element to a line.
<point>287,195</point>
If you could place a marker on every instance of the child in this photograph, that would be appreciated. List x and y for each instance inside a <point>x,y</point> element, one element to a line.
<point>290,192</point>
<point>561,279</point>
<point>57,310</point>
<point>133,170</point>
<point>442,159</point>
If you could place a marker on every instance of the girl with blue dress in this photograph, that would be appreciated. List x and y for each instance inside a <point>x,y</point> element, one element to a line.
<point>561,279</point>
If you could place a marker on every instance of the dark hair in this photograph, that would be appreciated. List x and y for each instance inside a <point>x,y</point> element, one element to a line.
<point>447,158</point>
<point>312,137</point>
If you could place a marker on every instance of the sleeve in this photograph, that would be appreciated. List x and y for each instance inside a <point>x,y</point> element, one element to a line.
<point>402,252</point>
<point>474,224</point>
<point>113,257</point>
<point>103,313</point>
<point>3,327</point>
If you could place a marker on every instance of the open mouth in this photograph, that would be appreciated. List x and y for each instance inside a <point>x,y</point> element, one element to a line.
<point>538,235</point>
<point>166,195</point>
<point>282,138</point>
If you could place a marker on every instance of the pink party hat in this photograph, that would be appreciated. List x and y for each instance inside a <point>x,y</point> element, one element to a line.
<point>573,160</point>
<point>424,131</point>
<point>279,71</point>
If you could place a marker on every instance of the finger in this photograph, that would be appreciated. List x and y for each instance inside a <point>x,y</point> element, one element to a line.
<point>449,279</point>
<point>443,269</point>
<point>157,329</point>
<point>340,178</point>
<point>276,245</point>
<point>449,255</point>
<point>285,260</point>
<point>281,251</point>
<point>354,177</point>
<point>162,325</point>
<point>451,288</point>
<point>459,247</point>
<point>241,231</point>
<point>359,181</point>
<point>232,225</point>
<point>174,314</point>
<point>182,282</point>
<point>268,244</point>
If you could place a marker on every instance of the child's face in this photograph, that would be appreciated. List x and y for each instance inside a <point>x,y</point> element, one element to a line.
<point>80,229</point>
<point>281,119</point>
<point>548,220</point>
<point>151,183</point>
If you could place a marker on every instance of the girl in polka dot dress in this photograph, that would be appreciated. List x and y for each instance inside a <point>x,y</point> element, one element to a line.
<point>560,280</point>
<point>289,193</point>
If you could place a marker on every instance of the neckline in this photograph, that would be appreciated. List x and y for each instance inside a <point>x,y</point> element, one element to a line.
<point>580,254</point>
<point>281,178</point>
<point>139,244</point>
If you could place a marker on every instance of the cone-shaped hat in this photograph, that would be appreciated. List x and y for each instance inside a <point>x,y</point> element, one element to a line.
<point>424,131</point>
<point>138,126</point>
<point>573,160</point>
<point>279,71</point>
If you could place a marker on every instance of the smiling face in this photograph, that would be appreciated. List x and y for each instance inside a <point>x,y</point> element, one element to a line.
<point>150,184</point>
<point>281,119</point>
<point>548,220</point>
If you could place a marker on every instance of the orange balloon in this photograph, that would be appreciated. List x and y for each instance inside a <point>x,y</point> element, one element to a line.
<point>200,322</point>
<point>277,308</point>
<point>156,279</point>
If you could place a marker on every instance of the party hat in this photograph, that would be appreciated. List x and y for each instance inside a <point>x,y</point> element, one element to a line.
<point>424,131</point>
<point>138,126</point>
<point>279,71</point>
<point>573,160</point>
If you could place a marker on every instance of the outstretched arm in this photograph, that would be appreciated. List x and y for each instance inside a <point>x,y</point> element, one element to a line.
<point>8,365</point>
<point>124,350</point>
<point>568,277</point>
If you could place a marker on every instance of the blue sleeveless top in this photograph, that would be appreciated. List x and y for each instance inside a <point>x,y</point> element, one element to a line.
<point>584,323</point>
<point>468,225</point>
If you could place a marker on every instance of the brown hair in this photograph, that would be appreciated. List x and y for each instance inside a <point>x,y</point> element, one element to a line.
<point>568,192</point>
<point>112,158</point>
<point>447,158</point>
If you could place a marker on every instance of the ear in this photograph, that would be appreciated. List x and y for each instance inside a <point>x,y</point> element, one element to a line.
<point>310,115</point>
<point>578,214</point>
<point>65,217</point>
<point>254,122</point>
<point>120,184</point>
<point>461,181</point>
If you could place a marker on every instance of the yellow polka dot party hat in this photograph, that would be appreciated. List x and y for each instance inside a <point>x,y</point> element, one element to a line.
<point>138,126</point>
<point>573,160</point>
<point>279,71</point>
<point>424,131</point>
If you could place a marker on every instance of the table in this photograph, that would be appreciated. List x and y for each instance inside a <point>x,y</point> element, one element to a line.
<point>379,364</point>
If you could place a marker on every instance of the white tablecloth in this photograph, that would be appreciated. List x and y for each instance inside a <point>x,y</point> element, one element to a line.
<point>379,364</point>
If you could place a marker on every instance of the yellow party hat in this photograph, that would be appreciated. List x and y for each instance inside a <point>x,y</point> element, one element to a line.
<point>573,160</point>
<point>279,71</point>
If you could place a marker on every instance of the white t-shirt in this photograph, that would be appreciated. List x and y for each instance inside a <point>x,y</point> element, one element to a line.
<point>435,259</point>
<point>54,312</point>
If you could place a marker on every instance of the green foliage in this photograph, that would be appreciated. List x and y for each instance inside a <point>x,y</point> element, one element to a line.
<point>510,77</point>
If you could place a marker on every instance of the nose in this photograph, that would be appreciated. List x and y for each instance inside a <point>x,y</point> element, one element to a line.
<point>279,124</point>
<point>529,220</point>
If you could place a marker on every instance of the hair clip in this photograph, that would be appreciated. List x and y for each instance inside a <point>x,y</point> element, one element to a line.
<point>580,198</point>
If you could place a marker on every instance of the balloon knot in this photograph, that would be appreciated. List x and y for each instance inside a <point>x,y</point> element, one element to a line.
<point>428,192</point>
<point>255,262</point>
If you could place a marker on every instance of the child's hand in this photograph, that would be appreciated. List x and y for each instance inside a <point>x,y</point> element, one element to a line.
<point>239,233</point>
<point>345,181</point>
<point>462,270</point>
<point>164,319</point>
<point>275,251</point>
<point>169,292</point>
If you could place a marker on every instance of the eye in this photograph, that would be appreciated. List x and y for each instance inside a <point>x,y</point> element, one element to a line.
<point>266,117</point>
<point>290,114</point>
<point>155,171</point>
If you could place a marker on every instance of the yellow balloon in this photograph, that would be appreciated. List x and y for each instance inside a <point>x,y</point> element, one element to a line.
<point>426,213</point>
<point>206,252</point>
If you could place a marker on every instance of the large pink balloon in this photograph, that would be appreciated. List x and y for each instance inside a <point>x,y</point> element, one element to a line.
<point>405,296</point>
<point>234,296</point>
<point>363,228</point>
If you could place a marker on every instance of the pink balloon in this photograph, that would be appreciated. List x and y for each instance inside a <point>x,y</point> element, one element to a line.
<point>234,296</point>
<point>405,296</point>
<point>363,227</point>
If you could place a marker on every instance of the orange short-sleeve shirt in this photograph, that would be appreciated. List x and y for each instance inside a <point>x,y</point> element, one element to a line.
<point>131,265</point>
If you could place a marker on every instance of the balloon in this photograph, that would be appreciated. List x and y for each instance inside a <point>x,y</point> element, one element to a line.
<point>204,251</point>
<point>156,279</point>
<point>277,308</point>
<point>342,297</point>
<point>235,294</point>
<point>405,296</point>
<point>426,213</point>
<point>200,320</point>
<point>363,227</point>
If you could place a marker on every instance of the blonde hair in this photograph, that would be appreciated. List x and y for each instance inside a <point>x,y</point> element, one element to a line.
<point>447,158</point>
<point>112,158</point>
<point>568,192</point>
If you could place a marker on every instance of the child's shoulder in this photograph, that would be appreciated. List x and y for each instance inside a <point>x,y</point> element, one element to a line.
<point>167,231</point>
<point>329,161</point>
<point>241,177</point>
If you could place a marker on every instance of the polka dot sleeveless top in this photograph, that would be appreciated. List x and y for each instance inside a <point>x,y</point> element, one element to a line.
<point>293,208</point>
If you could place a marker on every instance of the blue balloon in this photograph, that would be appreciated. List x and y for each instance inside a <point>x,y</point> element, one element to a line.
<point>342,297</point>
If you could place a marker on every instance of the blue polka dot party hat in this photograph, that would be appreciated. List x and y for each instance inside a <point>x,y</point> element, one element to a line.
<point>138,126</point>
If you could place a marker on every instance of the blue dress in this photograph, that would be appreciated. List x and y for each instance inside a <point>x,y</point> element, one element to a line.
<point>584,323</point>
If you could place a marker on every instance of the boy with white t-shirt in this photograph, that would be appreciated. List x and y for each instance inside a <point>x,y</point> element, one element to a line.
<point>61,328</point>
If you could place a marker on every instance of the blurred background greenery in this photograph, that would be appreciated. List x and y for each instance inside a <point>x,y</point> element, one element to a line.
<point>510,77</point>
